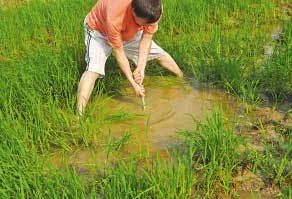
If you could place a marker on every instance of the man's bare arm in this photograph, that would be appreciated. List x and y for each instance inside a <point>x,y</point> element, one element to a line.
<point>144,49</point>
<point>125,67</point>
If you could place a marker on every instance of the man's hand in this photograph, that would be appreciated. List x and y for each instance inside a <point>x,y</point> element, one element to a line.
<point>125,67</point>
<point>139,75</point>
<point>140,91</point>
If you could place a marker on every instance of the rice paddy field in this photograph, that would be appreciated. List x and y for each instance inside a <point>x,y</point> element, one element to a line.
<point>235,143</point>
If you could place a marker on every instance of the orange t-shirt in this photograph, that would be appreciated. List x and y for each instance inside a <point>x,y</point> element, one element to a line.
<point>114,18</point>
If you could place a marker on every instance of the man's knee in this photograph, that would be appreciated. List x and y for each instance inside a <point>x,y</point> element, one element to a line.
<point>90,76</point>
<point>164,57</point>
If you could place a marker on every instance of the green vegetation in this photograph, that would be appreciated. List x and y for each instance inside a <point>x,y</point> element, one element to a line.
<point>217,43</point>
<point>165,181</point>
<point>216,155</point>
<point>275,75</point>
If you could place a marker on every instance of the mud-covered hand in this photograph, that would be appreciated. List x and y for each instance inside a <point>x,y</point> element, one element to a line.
<point>139,75</point>
<point>139,90</point>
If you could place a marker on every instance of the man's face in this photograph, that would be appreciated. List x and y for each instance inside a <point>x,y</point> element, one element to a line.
<point>140,21</point>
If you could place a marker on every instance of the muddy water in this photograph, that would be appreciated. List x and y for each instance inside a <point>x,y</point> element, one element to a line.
<point>171,106</point>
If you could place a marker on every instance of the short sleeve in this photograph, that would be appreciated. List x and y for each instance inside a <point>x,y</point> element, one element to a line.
<point>114,36</point>
<point>115,13</point>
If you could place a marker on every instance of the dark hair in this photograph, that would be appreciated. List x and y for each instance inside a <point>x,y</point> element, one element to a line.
<point>148,9</point>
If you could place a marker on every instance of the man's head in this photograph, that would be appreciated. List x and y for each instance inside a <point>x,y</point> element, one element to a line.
<point>146,11</point>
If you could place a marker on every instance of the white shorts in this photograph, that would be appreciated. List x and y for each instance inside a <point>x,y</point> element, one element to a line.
<point>98,50</point>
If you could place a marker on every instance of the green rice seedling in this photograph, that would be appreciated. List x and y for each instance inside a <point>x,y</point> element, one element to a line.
<point>275,164</point>
<point>22,174</point>
<point>117,144</point>
<point>287,192</point>
<point>160,180</point>
<point>120,116</point>
<point>41,59</point>
<point>276,74</point>
<point>216,155</point>
<point>229,52</point>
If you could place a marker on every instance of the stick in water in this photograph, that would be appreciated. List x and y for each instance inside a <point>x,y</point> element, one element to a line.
<point>143,101</point>
<point>142,97</point>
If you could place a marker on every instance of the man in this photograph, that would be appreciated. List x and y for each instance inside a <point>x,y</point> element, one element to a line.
<point>125,27</point>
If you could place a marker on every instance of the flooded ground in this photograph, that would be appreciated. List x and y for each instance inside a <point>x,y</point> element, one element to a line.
<point>171,106</point>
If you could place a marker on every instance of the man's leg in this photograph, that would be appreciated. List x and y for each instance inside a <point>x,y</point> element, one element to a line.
<point>156,52</point>
<point>85,88</point>
<point>97,52</point>
<point>167,62</point>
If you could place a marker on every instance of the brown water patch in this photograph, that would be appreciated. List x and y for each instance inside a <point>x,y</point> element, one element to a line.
<point>171,106</point>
